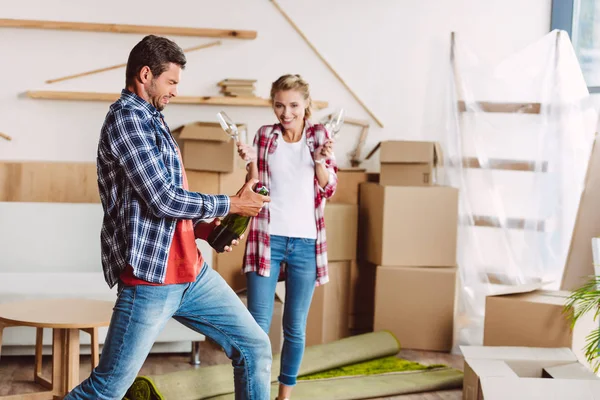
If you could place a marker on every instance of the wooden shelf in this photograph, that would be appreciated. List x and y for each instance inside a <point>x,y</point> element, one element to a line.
<point>124,28</point>
<point>203,100</point>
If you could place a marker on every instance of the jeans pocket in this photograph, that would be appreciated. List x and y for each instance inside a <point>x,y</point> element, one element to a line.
<point>310,242</point>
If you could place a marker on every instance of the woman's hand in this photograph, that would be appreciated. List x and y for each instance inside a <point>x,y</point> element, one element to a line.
<point>247,152</point>
<point>324,152</point>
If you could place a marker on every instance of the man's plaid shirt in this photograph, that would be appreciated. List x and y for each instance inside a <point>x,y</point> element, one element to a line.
<point>258,247</point>
<point>141,189</point>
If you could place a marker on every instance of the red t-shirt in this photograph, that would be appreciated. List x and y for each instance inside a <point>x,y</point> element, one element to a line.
<point>185,259</point>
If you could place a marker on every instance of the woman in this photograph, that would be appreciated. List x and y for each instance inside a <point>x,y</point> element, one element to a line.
<point>294,159</point>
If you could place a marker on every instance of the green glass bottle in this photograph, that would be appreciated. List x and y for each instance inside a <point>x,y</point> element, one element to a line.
<point>231,228</point>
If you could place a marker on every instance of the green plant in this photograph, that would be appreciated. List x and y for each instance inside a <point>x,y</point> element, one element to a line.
<point>581,301</point>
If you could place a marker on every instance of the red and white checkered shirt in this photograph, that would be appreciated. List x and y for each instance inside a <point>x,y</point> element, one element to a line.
<point>258,247</point>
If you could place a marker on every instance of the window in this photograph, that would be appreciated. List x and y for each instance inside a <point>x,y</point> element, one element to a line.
<point>581,19</point>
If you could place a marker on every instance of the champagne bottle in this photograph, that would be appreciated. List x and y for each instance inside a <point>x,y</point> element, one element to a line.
<point>231,228</point>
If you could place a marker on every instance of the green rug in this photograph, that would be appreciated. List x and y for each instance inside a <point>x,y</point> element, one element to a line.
<point>382,365</point>
<point>367,359</point>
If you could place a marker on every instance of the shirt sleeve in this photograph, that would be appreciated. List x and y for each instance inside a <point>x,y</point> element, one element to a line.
<point>133,143</point>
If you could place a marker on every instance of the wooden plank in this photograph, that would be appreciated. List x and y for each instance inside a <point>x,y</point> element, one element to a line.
<point>126,28</point>
<point>55,182</point>
<point>510,223</point>
<point>96,71</point>
<point>202,100</point>
<point>507,165</point>
<point>491,107</point>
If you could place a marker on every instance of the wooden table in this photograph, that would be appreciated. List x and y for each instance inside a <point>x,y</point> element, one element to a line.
<point>66,317</point>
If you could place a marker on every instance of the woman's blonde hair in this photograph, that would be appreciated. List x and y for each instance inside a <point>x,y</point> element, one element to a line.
<point>293,82</point>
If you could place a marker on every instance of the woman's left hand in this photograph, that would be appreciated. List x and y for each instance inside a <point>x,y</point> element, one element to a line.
<point>325,151</point>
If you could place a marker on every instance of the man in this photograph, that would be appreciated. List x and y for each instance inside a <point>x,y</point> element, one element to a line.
<point>148,237</point>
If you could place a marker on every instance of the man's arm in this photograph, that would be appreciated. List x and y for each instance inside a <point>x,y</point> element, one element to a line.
<point>133,143</point>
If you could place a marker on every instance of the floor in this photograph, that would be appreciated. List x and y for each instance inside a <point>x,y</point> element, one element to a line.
<point>16,372</point>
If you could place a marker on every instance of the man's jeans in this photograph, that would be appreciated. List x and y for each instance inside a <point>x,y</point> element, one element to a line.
<point>301,275</point>
<point>208,306</point>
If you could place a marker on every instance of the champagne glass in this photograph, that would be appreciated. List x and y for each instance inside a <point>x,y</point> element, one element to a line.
<point>228,125</point>
<point>335,122</point>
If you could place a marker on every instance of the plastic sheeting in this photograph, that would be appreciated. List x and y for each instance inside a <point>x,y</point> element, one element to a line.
<point>516,142</point>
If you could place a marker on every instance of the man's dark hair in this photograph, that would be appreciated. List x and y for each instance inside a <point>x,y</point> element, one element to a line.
<point>155,52</point>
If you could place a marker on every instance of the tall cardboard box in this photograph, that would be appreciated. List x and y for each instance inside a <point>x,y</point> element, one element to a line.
<point>206,147</point>
<point>349,181</point>
<point>416,305</point>
<point>341,223</point>
<point>362,296</point>
<point>328,314</point>
<point>408,225</point>
<point>408,163</point>
<point>534,319</point>
<point>228,265</point>
<point>526,373</point>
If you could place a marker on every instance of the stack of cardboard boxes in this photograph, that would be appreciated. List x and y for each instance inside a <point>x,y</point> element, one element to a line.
<point>408,236</point>
<point>213,167</point>
<point>329,311</point>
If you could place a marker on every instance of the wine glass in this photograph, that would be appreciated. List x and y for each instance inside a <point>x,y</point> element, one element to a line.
<point>228,125</point>
<point>335,122</point>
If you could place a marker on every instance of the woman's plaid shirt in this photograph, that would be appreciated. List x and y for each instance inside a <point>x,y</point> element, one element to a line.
<point>258,247</point>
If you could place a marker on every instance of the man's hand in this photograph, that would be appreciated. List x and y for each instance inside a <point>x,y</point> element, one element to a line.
<point>204,229</point>
<point>246,202</point>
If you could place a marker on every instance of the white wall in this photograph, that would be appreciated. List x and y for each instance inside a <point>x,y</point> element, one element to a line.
<point>391,52</point>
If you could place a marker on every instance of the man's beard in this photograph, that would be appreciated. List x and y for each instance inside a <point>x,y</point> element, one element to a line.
<point>156,102</point>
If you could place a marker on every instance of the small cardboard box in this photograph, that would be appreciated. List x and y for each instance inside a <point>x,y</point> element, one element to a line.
<point>276,329</point>
<point>362,296</point>
<point>522,373</point>
<point>341,223</point>
<point>216,182</point>
<point>416,305</point>
<point>328,314</point>
<point>408,163</point>
<point>347,187</point>
<point>408,226</point>
<point>206,147</point>
<point>534,319</point>
<point>228,265</point>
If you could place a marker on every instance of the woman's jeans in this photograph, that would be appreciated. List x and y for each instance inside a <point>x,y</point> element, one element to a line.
<point>301,275</point>
<point>208,306</point>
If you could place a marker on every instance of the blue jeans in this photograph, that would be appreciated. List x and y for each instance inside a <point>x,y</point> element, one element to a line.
<point>208,306</point>
<point>301,274</point>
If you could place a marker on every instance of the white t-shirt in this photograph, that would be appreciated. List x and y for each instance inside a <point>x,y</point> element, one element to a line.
<point>292,191</point>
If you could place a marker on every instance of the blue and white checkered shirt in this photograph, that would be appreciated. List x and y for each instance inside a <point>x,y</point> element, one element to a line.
<point>140,182</point>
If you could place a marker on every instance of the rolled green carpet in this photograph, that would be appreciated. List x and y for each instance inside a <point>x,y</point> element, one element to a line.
<point>217,380</point>
<point>369,386</point>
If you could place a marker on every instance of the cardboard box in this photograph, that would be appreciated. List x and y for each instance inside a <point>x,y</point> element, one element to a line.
<point>349,181</point>
<point>416,305</point>
<point>228,265</point>
<point>276,329</point>
<point>216,182</point>
<point>408,226</point>
<point>206,147</point>
<point>521,373</point>
<point>328,314</point>
<point>580,265</point>
<point>408,163</point>
<point>341,223</point>
<point>362,296</point>
<point>534,319</point>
